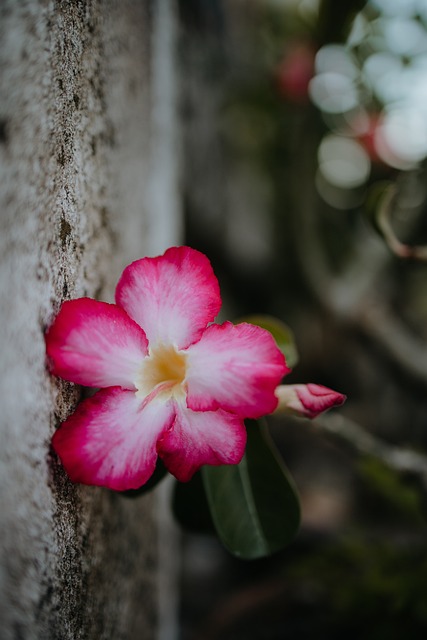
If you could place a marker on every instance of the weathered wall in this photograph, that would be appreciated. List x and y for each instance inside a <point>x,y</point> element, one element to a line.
<point>83,162</point>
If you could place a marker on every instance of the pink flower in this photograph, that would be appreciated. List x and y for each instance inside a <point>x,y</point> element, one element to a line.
<point>307,400</point>
<point>175,386</point>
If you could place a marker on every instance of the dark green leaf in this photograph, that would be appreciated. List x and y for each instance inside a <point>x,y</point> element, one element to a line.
<point>254,504</point>
<point>282,334</point>
<point>158,475</point>
<point>190,506</point>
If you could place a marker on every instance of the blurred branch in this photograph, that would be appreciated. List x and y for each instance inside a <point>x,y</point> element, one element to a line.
<point>354,297</point>
<point>399,459</point>
<point>382,221</point>
<point>408,351</point>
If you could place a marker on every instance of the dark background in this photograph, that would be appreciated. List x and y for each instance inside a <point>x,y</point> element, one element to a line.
<point>283,167</point>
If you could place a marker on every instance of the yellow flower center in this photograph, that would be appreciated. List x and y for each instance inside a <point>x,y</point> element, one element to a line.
<point>164,366</point>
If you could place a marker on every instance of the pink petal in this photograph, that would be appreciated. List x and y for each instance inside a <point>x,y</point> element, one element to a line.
<point>235,367</point>
<point>95,344</point>
<point>173,297</point>
<point>198,438</point>
<point>111,438</point>
<point>307,400</point>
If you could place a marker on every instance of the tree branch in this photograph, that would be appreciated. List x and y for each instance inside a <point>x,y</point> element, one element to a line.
<point>399,459</point>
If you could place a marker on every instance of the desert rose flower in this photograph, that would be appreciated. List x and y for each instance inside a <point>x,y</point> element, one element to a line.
<point>172,383</point>
<point>306,400</point>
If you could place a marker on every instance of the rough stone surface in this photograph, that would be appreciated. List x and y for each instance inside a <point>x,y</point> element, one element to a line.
<point>76,141</point>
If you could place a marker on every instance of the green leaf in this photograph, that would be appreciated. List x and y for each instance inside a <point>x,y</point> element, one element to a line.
<point>190,507</point>
<point>282,334</point>
<point>254,505</point>
<point>158,475</point>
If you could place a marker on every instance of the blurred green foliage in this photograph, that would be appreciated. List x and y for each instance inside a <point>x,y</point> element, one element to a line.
<point>395,498</point>
<point>364,589</point>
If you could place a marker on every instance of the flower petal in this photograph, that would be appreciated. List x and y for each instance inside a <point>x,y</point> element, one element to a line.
<point>173,297</point>
<point>111,438</point>
<point>95,344</point>
<point>235,367</point>
<point>307,400</point>
<point>198,438</point>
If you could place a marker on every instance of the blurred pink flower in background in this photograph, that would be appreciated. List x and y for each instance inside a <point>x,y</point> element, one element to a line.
<point>295,71</point>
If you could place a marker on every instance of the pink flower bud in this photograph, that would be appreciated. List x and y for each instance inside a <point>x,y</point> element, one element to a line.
<point>306,400</point>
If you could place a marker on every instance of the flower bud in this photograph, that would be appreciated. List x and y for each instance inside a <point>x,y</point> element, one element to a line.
<point>306,400</point>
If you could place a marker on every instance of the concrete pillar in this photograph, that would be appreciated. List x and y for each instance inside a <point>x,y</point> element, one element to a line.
<point>88,182</point>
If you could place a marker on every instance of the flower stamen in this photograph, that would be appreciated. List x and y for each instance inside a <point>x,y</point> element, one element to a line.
<point>165,367</point>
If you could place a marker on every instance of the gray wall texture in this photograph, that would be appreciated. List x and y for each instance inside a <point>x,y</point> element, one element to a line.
<point>88,182</point>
